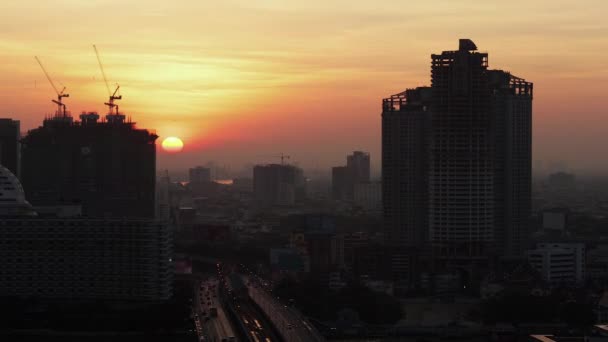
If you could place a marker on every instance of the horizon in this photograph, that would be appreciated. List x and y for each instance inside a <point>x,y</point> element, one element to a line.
<point>221,77</point>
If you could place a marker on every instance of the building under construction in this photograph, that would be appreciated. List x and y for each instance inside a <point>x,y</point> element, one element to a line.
<point>456,163</point>
<point>105,164</point>
<point>108,165</point>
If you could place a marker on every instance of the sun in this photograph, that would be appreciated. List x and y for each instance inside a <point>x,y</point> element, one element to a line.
<point>173,144</point>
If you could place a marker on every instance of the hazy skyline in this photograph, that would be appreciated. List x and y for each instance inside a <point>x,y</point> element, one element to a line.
<point>239,80</point>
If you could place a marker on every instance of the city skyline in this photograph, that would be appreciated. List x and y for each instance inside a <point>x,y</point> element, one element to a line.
<point>232,79</point>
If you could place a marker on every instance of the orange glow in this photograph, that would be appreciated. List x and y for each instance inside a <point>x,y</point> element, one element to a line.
<point>173,144</point>
<point>236,79</point>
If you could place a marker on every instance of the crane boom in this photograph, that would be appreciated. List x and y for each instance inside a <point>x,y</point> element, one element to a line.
<point>60,94</point>
<point>47,76</point>
<point>103,73</point>
<point>111,105</point>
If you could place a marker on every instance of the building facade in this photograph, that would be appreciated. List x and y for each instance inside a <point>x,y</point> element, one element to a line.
<point>340,182</point>
<point>359,165</point>
<point>368,196</point>
<point>77,258</point>
<point>559,263</point>
<point>107,166</point>
<point>278,185</point>
<point>10,147</point>
<point>456,162</point>
<point>199,174</point>
<point>345,178</point>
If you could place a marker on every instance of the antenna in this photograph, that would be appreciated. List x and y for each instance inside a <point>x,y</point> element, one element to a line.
<point>60,94</point>
<point>111,105</point>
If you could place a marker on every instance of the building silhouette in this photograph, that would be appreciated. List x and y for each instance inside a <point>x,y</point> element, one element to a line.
<point>345,178</point>
<point>456,164</point>
<point>358,164</point>
<point>340,182</point>
<point>74,258</point>
<point>199,174</point>
<point>278,185</point>
<point>10,149</point>
<point>108,166</point>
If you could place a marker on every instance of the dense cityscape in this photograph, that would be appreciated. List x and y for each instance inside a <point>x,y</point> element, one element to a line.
<point>456,237</point>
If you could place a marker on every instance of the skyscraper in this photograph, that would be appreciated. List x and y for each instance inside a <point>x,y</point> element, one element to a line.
<point>457,160</point>
<point>10,149</point>
<point>405,144</point>
<point>108,166</point>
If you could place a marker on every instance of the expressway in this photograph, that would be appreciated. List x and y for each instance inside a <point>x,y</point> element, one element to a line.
<point>211,319</point>
<point>254,324</point>
<point>291,324</point>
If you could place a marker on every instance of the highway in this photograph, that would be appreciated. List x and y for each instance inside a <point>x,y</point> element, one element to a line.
<point>291,325</point>
<point>212,320</point>
<point>256,326</point>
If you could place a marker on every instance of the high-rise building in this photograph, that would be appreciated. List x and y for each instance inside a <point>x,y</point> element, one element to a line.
<point>278,185</point>
<point>345,178</point>
<point>456,161</point>
<point>200,174</point>
<point>358,164</point>
<point>405,143</point>
<point>108,166</point>
<point>10,149</point>
<point>46,256</point>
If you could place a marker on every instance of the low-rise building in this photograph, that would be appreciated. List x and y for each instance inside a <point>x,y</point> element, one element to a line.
<point>559,263</point>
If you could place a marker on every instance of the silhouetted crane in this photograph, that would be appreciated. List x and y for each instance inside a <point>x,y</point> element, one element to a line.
<point>111,105</point>
<point>60,94</point>
<point>281,156</point>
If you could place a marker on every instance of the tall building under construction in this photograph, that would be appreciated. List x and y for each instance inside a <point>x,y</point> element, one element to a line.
<point>456,163</point>
<point>107,165</point>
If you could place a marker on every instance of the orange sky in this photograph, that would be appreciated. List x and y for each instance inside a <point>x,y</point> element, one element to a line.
<point>238,80</point>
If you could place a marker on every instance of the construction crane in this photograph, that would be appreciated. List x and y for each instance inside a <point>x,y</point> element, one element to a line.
<point>112,95</point>
<point>60,94</point>
<point>281,156</point>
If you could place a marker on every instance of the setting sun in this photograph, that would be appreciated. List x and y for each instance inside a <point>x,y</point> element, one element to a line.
<point>173,144</point>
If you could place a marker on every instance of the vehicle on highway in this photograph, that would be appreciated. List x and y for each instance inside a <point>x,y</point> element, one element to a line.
<point>213,311</point>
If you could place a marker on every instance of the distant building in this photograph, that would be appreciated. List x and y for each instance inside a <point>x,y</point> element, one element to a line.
<point>561,181</point>
<point>278,185</point>
<point>80,259</point>
<point>10,148</point>
<point>107,166</point>
<point>555,219</point>
<point>325,253</point>
<point>359,165</point>
<point>345,178</point>
<point>340,182</point>
<point>369,195</point>
<point>559,263</point>
<point>200,174</point>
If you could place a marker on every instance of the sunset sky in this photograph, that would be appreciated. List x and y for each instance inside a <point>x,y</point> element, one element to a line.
<point>242,80</point>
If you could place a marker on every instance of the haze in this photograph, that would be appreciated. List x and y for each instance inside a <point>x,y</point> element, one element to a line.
<point>240,80</point>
